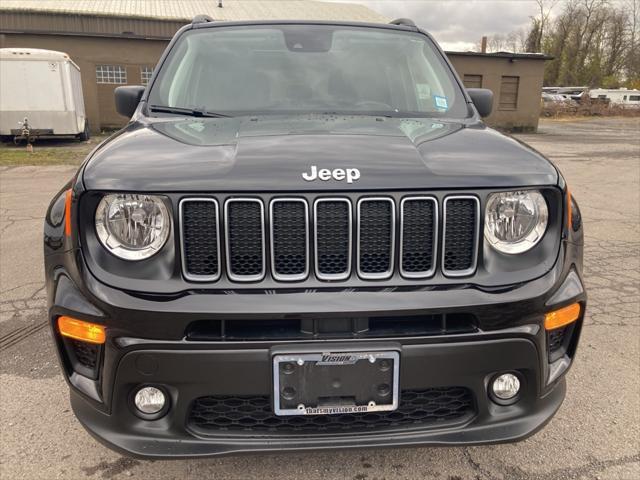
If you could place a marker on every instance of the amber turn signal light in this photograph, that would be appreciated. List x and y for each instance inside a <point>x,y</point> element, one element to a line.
<point>67,212</point>
<point>560,318</point>
<point>80,330</point>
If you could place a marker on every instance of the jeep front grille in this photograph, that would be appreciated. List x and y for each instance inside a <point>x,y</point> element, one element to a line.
<point>329,238</point>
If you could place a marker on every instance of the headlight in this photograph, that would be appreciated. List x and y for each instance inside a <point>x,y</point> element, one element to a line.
<point>132,227</point>
<point>515,221</point>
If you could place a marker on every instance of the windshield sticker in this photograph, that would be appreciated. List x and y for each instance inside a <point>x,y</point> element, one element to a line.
<point>423,90</point>
<point>197,126</point>
<point>441,103</point>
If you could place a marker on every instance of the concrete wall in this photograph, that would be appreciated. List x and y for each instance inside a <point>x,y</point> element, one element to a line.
<point>530,73</point>
<point>88,52</point>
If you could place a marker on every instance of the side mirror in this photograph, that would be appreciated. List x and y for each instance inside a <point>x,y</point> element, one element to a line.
<point>482,98</point>
<point>127,99</point>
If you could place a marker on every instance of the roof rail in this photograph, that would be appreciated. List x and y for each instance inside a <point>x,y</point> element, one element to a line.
<point>407,22</point>
<point>202,18</point>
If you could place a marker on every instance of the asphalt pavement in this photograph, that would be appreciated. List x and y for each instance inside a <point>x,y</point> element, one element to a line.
<point>595,435</point>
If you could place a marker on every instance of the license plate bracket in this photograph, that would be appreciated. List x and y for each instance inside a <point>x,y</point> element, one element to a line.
<point>331,383</point>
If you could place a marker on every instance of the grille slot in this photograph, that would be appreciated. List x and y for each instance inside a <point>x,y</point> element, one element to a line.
<point>418,234</point>
<point>376,235</point>
<point>333,238</point>
<point>200,239</point>
<point>461,225</point>
<point>432,407</point>
<point>289,239</point>
<point>245,239</point>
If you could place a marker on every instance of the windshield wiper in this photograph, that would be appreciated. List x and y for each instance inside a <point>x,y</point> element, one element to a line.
<point>192,112</point>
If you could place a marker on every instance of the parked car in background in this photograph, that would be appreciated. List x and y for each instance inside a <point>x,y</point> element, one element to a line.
<point>556,103</point>
<point>40,95</point>
<point>577,94</point>
<point>557,98</point>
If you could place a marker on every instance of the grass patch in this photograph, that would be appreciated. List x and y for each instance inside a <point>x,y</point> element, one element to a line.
<point>10,157</point>
<point>47,152</point>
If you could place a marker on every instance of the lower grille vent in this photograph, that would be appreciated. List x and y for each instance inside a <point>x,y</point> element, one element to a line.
<point>556,339</point>
<point>249,414</point>
<point>331,328</point>
<point>559,341</point>
<point>86,353</point>
<point>83,357</point>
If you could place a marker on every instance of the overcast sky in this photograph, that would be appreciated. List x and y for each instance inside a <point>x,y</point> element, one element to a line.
<point>458,24</point>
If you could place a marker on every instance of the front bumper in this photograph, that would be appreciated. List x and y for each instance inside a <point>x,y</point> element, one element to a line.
<point>187,374</point>
<point>147,345</point>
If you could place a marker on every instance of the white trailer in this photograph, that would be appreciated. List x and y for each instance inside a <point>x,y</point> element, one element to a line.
<point>44,87</point>
<point>619,96</point>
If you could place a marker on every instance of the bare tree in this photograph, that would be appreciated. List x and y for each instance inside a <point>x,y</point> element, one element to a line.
<point>592,42</point>
<point>496,43</point>
<point>544,12</point>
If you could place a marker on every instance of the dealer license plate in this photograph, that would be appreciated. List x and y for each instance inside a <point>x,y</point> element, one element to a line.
<point>332,383</point>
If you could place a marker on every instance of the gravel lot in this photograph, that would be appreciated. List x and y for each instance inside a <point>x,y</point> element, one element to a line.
<point>596,434</point>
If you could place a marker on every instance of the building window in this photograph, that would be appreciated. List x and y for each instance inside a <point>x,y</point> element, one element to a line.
<point>509,93</point>
<point>111,74</point>
<point>472,81</point>
<point>145,74</point>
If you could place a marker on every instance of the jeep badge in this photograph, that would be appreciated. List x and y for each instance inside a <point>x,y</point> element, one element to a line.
<point>324,174</point>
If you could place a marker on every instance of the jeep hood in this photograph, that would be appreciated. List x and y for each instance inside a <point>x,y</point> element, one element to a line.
<point>270,153</point>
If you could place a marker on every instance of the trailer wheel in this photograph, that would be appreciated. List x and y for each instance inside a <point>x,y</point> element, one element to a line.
<point>85,135</point>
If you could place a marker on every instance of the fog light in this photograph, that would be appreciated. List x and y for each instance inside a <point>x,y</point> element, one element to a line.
<point>506,386</point>
<point>149,400</point>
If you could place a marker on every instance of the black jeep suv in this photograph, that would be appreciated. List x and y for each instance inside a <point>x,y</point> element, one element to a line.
<point>307,238</point>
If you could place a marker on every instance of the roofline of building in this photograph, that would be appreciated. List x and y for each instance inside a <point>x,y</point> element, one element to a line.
<point>507,55</point>
<point>40,23</point>
<point>35,11</point>
<point>124,36</point>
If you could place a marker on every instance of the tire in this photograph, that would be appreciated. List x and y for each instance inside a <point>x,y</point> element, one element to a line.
<point>85,135</point>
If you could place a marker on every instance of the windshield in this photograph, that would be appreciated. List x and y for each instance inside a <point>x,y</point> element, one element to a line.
<point>307,68</point>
